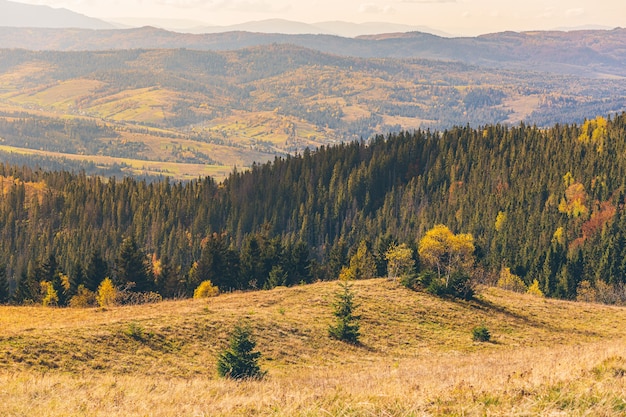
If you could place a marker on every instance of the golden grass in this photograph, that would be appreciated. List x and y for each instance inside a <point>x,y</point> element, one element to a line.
<point>417,357</point>
<point>182,171</point>
<point>63,96</point>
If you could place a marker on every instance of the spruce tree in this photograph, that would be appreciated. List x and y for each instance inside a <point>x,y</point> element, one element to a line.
<point>4,285</point>
<point>96,272</point>
<point>132,267</point>
<point>239,360</point>
<point>346,327</point>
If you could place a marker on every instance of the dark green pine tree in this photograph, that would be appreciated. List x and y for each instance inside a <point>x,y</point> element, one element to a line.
<point>76,278</point>
<point>168,282</point>
<point>252,267</point>
<point>49,270</point>
<point>132,267</point>
<point>219,264</point>
<point>300,270</point>
<point>27,289</point>
<point>4,286</point>
<point>97,270</point>
<point>239,360</point>
<point>346,327</point>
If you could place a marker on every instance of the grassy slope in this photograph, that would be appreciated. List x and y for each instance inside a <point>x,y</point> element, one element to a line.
<point>417,357</point>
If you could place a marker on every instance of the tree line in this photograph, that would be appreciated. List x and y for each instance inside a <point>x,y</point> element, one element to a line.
<point>548,204</point>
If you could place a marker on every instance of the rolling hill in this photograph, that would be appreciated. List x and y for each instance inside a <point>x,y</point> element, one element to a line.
<point>227,108</point>
<point>417,356</point>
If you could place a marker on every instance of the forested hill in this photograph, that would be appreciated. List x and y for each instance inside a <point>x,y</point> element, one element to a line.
<point>549,204</point>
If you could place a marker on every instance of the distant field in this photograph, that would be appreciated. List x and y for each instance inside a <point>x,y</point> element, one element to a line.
<point>547,357</point>
<point>136,166</point>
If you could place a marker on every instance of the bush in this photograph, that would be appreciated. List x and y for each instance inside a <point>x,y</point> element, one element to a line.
<point>135,331</point>
<point>411,281</point>
<point>127,297</point>
<point>481,334</point>
<point>239,361</point>
<point>459,285</point>
<point>83,298</point>
<point>206,289</point>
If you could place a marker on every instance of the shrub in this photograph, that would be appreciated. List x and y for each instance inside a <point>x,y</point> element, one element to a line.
<point>206,289</point>
<point>239,361</point>
<point>481,334</point>
<point>458,285</point>
<point>127,297</point>
<point>83,298</point>
<point>135,331</point>
<point>411,281</point>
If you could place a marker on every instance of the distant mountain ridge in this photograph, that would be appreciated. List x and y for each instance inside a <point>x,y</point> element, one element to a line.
<point>14,14</point>
<point>591,53</point>
<point>288,27</point>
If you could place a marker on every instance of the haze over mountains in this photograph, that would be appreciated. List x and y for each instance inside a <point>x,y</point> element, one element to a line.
<point>589,53</point>
<point>14,14</point>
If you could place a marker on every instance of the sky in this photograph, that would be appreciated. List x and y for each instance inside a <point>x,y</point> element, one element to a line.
<point>459,17</point>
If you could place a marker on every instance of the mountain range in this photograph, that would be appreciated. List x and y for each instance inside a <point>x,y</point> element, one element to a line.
<point>590,53</point>
<point>13,14</point>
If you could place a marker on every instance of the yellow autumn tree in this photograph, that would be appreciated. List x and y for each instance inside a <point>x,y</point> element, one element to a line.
<point>346,274</point>
<point>595,131</point>
<point>362,263</point>
<point>445,252</point>
<point>501,219</point>
<point>534,289</point>
<point>399,260</point>
<point>510,281</point>
<point>573,204</point>
<point>50,296</point>
<point>106,295</point>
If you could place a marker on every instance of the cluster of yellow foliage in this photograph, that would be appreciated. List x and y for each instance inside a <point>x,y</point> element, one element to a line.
<point>206,289</point>
<point>399,260</point>
<point>510,281</point>
<point>500,220</point>
<point>362,265</point>
<point>573,204</point>
<point>446,252</point>
<point>50,296</point>
<point>534,289</point>
<point>595,131</point>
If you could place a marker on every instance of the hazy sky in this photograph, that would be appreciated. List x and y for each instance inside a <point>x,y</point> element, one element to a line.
<point>455,16</point>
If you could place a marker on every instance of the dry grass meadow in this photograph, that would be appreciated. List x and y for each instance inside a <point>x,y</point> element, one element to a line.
<point>417,358</point>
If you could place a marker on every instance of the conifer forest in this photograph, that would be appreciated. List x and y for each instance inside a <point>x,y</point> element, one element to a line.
<point>546,205</point>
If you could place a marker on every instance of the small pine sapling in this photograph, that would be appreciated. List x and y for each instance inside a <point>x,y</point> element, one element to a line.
<point>239,360</point>
<point>346,327</point>
<point>481,334</point>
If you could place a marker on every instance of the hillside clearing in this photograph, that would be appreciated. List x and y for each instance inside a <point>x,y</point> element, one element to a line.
<point>417,356</point>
